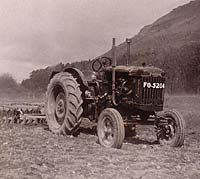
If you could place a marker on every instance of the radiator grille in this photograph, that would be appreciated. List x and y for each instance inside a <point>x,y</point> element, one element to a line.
<point>153,96</point>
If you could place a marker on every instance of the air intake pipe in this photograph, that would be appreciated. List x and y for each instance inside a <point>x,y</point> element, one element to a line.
<point>113,72</point>
<point>128,42</point>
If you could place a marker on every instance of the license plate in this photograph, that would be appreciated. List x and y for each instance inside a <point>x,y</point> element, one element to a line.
<point>153,85</point>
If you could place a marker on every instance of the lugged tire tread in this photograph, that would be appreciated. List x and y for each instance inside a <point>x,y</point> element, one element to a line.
<point>74,102</point>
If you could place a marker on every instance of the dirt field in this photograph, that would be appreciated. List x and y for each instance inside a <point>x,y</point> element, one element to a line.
<point>32,152</point>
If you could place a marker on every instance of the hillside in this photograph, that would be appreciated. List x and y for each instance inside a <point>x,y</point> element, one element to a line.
<point>172,42</point>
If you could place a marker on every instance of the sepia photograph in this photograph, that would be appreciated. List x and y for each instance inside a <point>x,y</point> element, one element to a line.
<point>99,89</point>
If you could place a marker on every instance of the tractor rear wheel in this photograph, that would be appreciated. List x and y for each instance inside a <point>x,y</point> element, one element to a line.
<point>110,128</point>
<point>172,131</point>
<point>63,104</point>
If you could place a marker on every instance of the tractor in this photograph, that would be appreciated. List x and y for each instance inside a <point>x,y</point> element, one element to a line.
<point>116,99</point>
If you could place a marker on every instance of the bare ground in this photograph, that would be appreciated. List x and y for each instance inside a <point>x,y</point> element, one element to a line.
<point>32,152</point>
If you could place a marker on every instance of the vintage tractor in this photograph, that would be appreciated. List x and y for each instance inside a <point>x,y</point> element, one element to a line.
<point>117,99</point>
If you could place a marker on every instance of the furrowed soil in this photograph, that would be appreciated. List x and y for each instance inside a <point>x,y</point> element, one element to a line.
<point>33,152</point>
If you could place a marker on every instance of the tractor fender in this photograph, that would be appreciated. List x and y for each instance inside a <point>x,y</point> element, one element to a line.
<point>53,73</point>
<point>76,73</point>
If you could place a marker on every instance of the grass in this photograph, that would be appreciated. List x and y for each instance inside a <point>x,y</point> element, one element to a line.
<point>188,106</point>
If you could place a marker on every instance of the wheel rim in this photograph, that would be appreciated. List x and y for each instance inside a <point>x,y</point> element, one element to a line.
<point>107,131</point>
<point>168,131</point>
<point>56,106</point>
<point>60,107</point>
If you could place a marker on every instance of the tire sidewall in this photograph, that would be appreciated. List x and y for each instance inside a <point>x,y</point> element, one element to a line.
<point>119,131</point>
<point>51,121</point>
<point>179,130</point>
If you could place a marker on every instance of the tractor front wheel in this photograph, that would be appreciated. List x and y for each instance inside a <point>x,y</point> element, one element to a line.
<point>171,129</point>
<point>110,128</point>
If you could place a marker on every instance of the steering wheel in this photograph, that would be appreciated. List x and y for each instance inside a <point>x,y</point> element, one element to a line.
<point>100,63</point>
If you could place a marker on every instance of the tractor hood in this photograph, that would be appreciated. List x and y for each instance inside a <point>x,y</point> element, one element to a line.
<point>138,70</point>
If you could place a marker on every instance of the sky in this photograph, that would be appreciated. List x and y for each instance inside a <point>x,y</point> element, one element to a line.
<point>39,33</point>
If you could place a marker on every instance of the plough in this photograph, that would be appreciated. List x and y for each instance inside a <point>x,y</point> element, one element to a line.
<point>14,115</point>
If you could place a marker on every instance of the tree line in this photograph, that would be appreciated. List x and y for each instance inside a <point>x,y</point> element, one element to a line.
<point>182,67</point>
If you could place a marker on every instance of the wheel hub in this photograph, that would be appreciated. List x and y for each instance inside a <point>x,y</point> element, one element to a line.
<point>166,132</point>
<point>108,131</point>
<point>169,131</point>
<point>60,107</point>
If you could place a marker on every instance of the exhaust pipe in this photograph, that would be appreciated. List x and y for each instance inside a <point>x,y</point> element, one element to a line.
<point>128,42</point>
<point>114,63</point>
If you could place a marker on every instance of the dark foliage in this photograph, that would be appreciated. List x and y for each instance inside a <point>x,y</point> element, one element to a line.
<point>9,88</point>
